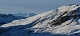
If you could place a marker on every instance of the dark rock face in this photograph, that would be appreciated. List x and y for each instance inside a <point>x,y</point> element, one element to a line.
<point>61,19</point>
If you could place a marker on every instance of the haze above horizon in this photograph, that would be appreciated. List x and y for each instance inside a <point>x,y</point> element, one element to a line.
<point>32,6</point>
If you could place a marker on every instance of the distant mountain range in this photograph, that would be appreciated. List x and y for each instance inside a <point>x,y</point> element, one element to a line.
<point>63,21</point>
<point>6,18</point>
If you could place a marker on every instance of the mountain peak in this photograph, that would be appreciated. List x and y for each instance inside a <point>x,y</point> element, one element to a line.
<point>73,4</point>
<point>63,21</point>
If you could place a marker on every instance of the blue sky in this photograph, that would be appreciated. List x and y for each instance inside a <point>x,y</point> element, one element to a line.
<point>32,6</point>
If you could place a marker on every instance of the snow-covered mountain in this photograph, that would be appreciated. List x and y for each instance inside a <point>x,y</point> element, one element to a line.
<point>19,15</point>
<point>6,18</point>
<point>64,21</point>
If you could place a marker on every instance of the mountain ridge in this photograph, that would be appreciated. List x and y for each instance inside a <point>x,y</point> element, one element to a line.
<point>47,24</point>
<point>6,18</point>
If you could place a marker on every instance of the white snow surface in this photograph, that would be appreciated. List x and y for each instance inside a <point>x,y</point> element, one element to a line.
<point>6,18</point>
<point>39,25</point>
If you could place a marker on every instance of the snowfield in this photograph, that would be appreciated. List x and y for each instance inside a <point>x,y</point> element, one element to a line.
<point>64,21</point>
<point>7,18</point>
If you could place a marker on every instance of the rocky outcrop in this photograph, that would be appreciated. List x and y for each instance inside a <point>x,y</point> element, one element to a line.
<point>61,19</point>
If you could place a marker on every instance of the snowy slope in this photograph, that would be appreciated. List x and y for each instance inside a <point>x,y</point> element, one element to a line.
<point>6,18</point>
<point>44,25</point>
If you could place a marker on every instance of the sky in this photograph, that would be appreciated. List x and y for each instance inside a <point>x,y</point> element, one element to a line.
<point>32,6</point>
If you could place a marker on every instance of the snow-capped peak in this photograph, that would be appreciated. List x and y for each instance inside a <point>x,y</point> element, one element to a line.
<point>63,21</point>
